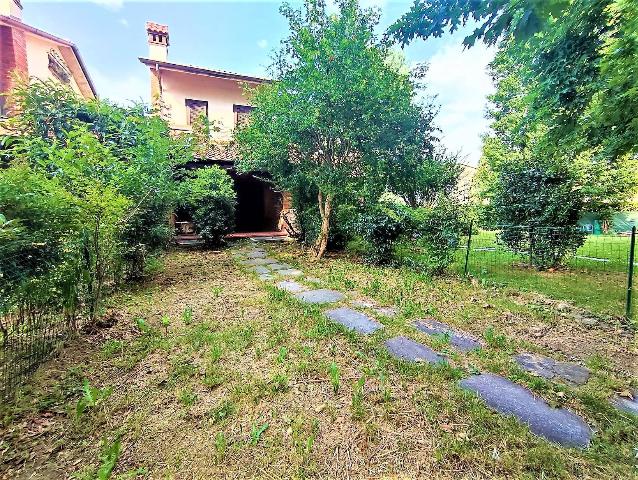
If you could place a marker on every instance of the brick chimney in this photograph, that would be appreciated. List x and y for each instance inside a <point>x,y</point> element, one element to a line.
<point>11,8</point>
<point>13,52</point>
<point>157,36</point>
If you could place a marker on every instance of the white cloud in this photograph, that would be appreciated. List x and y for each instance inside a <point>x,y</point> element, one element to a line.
<point>123,22</point>
<point>262,43</point>
<point>110,4</point>
<point>121,89</point>
<point>460,80</point>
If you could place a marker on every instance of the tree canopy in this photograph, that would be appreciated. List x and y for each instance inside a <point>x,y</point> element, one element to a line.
<point>566,89</point>
<point>336,113</point>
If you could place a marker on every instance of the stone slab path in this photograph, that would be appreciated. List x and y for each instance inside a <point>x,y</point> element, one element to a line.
<point>354,320</point>
<point>405,348</point>
<point>557,425</point>
<point>322,295</point>
<point>549,368</point>
<point>290,272</point>
<point>629,405</point>
<point>291,286</point>
<point>460,340</point>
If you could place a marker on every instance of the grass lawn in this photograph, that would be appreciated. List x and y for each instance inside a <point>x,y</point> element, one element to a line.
<point>595,278</point>
<point>215,374</point>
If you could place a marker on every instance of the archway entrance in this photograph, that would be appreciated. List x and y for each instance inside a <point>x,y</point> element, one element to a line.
<point>258,205</point>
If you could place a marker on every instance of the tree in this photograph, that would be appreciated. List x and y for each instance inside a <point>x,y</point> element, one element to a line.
<point>335,113</point>
<point>565,88</point>
<point>211,199</point>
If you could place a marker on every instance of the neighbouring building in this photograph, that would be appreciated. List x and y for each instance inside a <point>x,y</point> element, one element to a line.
<point>30,52</point>
<point>185,93</point>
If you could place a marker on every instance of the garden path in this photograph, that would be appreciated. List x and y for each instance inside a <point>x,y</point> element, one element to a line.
<point>558,425</point>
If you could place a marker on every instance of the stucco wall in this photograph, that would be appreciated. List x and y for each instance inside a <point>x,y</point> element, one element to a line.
<point>38,60</point>
<point>221,95</point>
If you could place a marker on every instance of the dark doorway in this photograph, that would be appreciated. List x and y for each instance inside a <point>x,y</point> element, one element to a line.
<point>258,205</point>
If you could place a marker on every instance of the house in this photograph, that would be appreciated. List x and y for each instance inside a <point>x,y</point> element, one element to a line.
<point>30,52</point>
<point>185,93</point>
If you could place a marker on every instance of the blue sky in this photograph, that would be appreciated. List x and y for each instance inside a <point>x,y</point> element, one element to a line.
<point>239,36</point>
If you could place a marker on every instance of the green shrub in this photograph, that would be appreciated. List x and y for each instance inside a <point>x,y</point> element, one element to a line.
<point>437,231</point>
<point>211,199</point>
<point>381,225</point>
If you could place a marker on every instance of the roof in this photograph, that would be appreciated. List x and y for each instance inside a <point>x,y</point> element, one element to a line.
<point>218,151</point>
<point>15,23</point>
<point>156,28</point>
<point>179,67</point>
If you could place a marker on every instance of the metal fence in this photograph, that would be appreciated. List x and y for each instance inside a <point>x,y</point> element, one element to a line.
<point>32,321</point>
<point>597,269</point>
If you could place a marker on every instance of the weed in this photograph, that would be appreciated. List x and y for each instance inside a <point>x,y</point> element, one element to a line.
<point>187,397</point>
<point>279,383</point>
<point>282,355</point>
<point>214,375</point>
<point>91,397</point>
<point>181,368</point>
<point>215,353</point>
<point>494,339</point>
<point>304,434</point>
<point>256,432</point>
<point>143,326</point>
<point>222,411</point>
<point>108,459</point>
<point>187,316</point>
<point>220,446</point>
<point>111,347</point>
<point>333,372</point>
<point>357,407</point>
<point>166,322</point>
<point>217,291</point>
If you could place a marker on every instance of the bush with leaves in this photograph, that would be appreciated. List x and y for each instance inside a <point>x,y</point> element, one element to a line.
<point>86,187</point>
<point>211,199</point>
<point>437,231</point>
<point>546,201</point>
<point>381,225</point>
<point>140,151</point>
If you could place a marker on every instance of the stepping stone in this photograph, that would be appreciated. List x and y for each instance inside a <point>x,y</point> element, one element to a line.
<point>261,270</point>
<point>290,286</point>
<point>557,425</point>
<point>259,261</point>
<point>280,266</point>
<point>256,254</point>
<point>290,272</point>
<point>354,320</point>
<point>629,405</point>
<point>549,368</point>
<point>320,296</point>
<point>313,280</point>
<point>266,277</point>
<point>461,340</point>
<point>405,348</point>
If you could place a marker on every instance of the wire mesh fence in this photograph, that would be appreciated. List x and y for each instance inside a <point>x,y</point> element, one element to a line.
<point>564,262</point>
<point>33,318</point>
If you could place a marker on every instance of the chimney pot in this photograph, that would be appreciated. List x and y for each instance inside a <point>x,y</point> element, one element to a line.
<point>158,41</point>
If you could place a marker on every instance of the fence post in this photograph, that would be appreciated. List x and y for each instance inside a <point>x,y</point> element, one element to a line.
<point>630,272</point>
<point>531,245</point>
<point>467,249</point>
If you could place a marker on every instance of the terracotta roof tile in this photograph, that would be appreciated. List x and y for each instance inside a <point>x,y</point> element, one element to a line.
<point>156,28</point>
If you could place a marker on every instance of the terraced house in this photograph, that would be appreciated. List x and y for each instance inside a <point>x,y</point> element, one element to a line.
<point>185,93</point>
<point>30,52</point>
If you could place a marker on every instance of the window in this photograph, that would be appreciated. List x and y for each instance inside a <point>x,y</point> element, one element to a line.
<point>242,114</point>
<point>58,68</point>
<point>196,108</point>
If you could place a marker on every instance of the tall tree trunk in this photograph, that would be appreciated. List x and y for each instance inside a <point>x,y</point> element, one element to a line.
<point>325,209</point>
